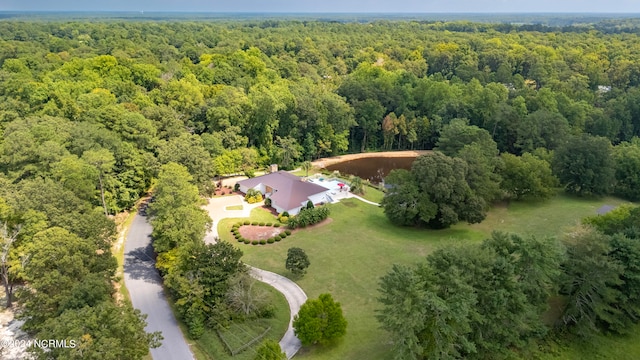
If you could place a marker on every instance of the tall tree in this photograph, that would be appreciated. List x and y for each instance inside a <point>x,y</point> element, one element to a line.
<point>627,164</point>
<point>64,272</point>
<point>105,330</point>
<point>320,321</point>
<point>102,160</point>
<point>297,261</point>
<point>435,193</point>
<point>427,318</point>
<point>189,151</point>
<point>584,165</point>
<point>199,280</point>
<point>590,278</point>
<point>369,114</point>
<point>176,214</point>
<point>527,177</point>
<point>9,232</point>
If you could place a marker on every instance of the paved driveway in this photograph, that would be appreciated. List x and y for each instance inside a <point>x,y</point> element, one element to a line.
<point>295,296</point>
<point>217,209</point>
<point>145,290</point>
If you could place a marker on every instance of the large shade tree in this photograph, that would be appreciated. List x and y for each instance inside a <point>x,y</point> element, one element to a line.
<point>584,165</point>
<point>320,321</point>
<point>436,193</point>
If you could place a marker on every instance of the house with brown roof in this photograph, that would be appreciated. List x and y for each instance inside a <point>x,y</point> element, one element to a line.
<point>287,192</point>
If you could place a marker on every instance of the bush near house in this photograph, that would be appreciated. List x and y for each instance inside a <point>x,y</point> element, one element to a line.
<point>308,217</point>
<point>253,196</point>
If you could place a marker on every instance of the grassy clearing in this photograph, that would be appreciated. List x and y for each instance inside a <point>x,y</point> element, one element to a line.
<point>372,194</point>
<point>350,254</point>
<point>549,218</point>
<point>597,348</point>
<point>347,257</point>
<point>234,207</point>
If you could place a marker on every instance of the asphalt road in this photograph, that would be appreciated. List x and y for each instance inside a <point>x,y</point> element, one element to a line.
<point>295,296</point>
<point>145,290</point>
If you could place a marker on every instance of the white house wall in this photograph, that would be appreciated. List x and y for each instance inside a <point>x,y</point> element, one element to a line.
<point>277,208</point>
<point>258,187</point>
<point>318,198</point>
<point>294,211</point>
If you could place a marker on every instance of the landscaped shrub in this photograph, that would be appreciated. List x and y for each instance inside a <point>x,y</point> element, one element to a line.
<point>261,224</point>
<point>263,242</point>
<point>271,240</point>
<point>288,232</point>
<point>267,201</point>
<point>268,224</point>
<point>241,239</point>
<point>310,205</point>
<point>246,241</point>
<point>283,217</point>
<point>282,236</point>
<point>253,196</point>
<point>276,225</point>
<point>255,242</point>
<point>309,217</point>
<point>247,222</point>
<point>237,236</point>
<point>254,223</point>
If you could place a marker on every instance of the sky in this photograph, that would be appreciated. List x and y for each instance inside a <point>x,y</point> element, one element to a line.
<point>332,6</point>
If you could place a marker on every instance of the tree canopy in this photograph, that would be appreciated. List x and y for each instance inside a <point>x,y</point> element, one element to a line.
<point>320,321</point>
<point>435,192</point>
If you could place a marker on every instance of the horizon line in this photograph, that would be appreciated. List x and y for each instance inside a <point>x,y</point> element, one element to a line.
<point>326,12</point>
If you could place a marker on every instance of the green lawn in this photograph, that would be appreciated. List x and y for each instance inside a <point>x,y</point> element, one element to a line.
<point>546,218</point>
<point>351,253</point>
<point>598,348</point>
<point>372,194</point>
<point>347,257</point>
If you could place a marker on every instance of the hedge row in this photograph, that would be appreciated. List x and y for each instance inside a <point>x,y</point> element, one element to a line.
<point>235,230</point>
<point>270,240</point>
<point>309,216</point>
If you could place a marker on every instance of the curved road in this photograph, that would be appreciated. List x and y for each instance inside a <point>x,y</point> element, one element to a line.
<point>295,296</point>
<point>147,295</point>
<point>145,290</point>
<point>217,209</point>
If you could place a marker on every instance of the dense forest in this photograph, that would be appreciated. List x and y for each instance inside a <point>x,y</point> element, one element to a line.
<point>92,112</point>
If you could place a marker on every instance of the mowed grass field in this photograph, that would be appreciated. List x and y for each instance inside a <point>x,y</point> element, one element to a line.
<point>350,254</point>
